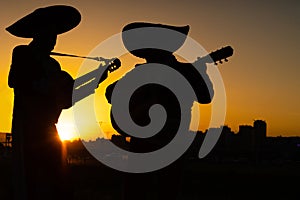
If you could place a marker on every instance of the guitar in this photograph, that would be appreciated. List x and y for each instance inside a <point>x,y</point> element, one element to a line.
<point>217,56</point>
<point>66,88</point>
<point>151,95</point>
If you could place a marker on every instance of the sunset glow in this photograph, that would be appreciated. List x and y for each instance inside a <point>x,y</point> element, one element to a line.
<point>156,99</point>
<point>261,79</point>
<point>66,131</point>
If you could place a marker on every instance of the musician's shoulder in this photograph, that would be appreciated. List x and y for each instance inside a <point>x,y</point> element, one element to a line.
<point>66,75</point>
<point>21,50</point>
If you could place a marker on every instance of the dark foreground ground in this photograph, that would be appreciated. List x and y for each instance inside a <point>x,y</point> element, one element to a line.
<point>230,181</point>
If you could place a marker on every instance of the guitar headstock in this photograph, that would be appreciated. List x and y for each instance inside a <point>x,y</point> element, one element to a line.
<point>221,54</point>
<point>114,64</point>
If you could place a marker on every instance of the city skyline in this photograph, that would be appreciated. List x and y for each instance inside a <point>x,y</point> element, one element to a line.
<point>233,160</point>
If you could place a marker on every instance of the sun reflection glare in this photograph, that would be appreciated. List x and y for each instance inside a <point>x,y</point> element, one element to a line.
<point>66,131</point>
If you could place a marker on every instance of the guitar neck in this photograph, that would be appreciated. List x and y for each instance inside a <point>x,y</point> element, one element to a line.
<point>217,56</point>
<point>90,76</point>
<point>204,60</point>
<point>112,65</point>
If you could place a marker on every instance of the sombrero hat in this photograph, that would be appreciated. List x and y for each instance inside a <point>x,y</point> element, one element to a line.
<point>63,18</point>
<point>143,39</point>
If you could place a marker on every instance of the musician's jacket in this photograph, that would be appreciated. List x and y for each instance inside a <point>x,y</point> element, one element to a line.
<point>39,97</point>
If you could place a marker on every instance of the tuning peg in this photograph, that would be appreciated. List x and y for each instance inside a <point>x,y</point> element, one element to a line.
<point>220,62</point>
<point>216,63</point>
<point>226,60</point>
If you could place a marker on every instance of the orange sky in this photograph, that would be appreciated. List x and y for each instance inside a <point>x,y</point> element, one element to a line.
<point>261,79</point>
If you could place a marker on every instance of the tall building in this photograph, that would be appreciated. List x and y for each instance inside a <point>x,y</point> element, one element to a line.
<point>260,129</point>
<point>245,141</point>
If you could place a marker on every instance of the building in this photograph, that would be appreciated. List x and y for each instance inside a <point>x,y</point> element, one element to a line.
<point>260,131</point>
<point>5,139</point>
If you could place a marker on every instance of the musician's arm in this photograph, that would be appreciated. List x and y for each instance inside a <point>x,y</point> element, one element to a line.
<point>83,90</point>
<point>205,85</point>
<point>20,75</point>
<point>200,81</point>
<point>25,72</point>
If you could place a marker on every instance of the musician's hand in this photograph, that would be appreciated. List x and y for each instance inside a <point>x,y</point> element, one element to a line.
<point>109,91</point>
<point>201,66</point>
<point>103,77</point>
<point>110,66</point>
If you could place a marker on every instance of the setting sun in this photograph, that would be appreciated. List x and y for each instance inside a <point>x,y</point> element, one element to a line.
<point>66,131</point>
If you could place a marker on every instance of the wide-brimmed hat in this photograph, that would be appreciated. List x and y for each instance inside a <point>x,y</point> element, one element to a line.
<point>61,17</point>
<point>143,39</point>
